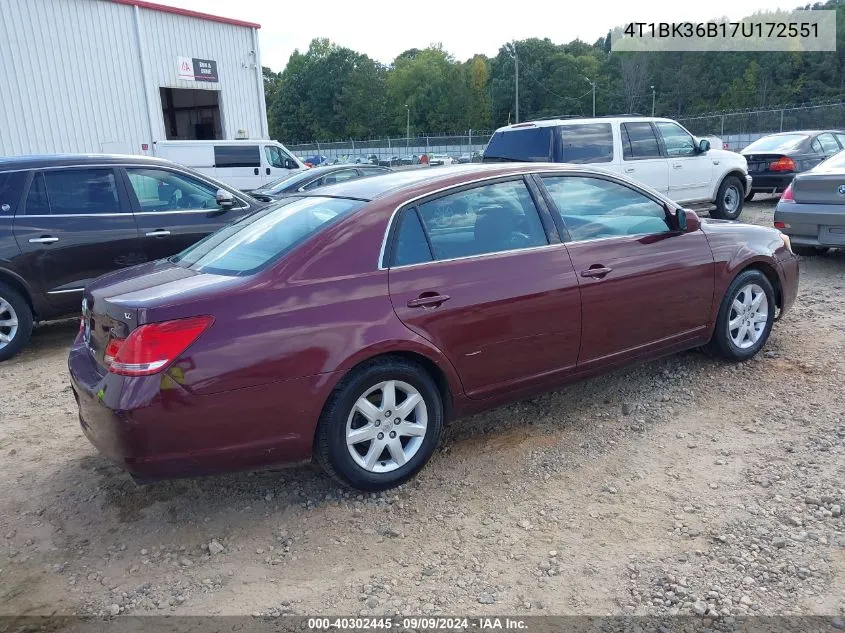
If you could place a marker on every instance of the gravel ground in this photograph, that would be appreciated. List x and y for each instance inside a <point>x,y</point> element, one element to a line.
<point>682,486</point>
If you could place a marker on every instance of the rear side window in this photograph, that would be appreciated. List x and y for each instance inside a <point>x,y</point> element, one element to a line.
<point>592,143</point>
<point>829,144</point>
<point>639,141</point>
<point>237,156</point>
<point>841,139</point>
<point>73,192</point>
<point>487,219</point>
<point>11,188</point>
<point>248,245</point>
<point>528,144</point>
<point>411,243</point>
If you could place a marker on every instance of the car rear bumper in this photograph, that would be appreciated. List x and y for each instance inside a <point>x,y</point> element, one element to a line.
<point>812,224</point>
<point>156,429</point>
<point>770,183</point>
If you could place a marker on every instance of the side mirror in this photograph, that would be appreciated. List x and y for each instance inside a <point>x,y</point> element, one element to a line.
<point>289,164</point>
<point>681,218</point>
<point>225,200</point>
<point>703,145</point>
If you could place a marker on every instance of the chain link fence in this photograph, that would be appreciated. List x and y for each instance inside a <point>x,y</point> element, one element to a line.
<point>399,150</point>
<point>736,129</point>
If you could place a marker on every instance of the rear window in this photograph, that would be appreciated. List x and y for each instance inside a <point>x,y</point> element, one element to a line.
<point>247,246</point>
<point>780,143</point>
<point>237,156</point>
<point>590,143</point>
<point>11,185</point>
<point>532,145</point>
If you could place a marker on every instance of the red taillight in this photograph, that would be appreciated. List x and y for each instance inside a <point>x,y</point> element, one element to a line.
<point>112,349</point>
<point>152,347</point>
<point>781,225</point>
<point>786,196</point>
<point>784,163</point>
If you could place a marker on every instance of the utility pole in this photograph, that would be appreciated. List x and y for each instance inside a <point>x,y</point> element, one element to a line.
<point>516,77</point>
<point>593,84</point>
<point>652,100</point>
<point>407,124</point>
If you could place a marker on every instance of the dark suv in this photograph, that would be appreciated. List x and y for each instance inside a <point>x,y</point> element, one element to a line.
<point>65,220</point>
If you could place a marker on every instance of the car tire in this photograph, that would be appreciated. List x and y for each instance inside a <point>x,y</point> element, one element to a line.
<point>729,199</point>
<point>380,460</point>
<point>809,251</point>
<point>749,196</point>
<point>740,307</point>
<point>15,322</point>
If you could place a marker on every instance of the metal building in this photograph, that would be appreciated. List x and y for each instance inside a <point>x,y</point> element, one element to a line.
<point>116,75</point>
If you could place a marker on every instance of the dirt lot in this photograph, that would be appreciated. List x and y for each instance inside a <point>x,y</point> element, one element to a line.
<point>683,486</point>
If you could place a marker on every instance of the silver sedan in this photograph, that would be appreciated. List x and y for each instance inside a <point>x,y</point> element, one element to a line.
<point>812,209</point>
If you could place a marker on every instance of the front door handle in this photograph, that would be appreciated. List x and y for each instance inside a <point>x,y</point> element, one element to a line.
<point>428,301</point>
<point>45,239</point>
<point>158,233</point>
<point>596,271</point>
<point>268,171</point>
<point>677,166</point>
<point>629,170</point>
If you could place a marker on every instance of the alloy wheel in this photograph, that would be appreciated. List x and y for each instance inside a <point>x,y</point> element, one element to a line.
<point>8,323</point>
<point>748,316</point>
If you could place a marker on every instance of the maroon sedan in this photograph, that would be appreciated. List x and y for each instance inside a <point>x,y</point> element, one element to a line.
<point>352,323</point>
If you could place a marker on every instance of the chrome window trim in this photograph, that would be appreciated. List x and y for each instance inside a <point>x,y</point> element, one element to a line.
<point>519,175</point>
<point>479,256</point>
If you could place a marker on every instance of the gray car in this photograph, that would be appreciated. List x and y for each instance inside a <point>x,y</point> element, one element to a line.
<point>812,209</point>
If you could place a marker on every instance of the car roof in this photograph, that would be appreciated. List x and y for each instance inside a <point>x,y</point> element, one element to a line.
<point>808,132</point>
<point>515,127</point>
<point>65,160</point>
<point>374,187</point>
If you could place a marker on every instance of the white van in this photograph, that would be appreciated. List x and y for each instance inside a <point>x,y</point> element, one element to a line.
<point>243,165</point>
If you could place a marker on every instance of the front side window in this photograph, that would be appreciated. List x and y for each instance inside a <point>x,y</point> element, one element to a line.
<point>340,176</point>
<point>677,140</point>
<point>594,208</point>
<point>639,141</point>
<point>162,190</point>
<point>249,245</point>
<point>73,192</point>
<point>486,219</point>
<point>590,143</point>
<point>275,156</point>
<point>237,156</point>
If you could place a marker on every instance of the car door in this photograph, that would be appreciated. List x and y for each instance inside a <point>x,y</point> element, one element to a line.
<point>278,164</point>
<point>239,166</point>
<point>474,272</point>
<point>690,171</point>
<point>644,285</point>
<point>75,225</point>
<point>642,158</point>
<point>174,210</point>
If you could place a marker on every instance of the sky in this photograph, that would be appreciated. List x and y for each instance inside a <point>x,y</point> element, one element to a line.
<point>383,29</point>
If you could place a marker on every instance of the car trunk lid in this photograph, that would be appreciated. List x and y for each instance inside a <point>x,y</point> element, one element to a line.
<point>764,163</point>
<point>819,188</point>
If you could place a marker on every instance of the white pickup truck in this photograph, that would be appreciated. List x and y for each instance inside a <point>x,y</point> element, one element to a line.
<point>658,152</point>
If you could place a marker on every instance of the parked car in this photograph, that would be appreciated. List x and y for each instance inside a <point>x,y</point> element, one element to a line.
<point>65,220</point>
<point>465,158</point>
<point>316,161</point>
<point>811,210</point>
<point>239,164</point>
<point>774,160</point>
<point>313,178</point>
<point>657,152</point>
<point>408,159</point>
<point>350,323</point>
<point>440,159</point>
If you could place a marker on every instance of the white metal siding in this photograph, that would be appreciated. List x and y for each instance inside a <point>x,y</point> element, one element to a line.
<point>71,71</point>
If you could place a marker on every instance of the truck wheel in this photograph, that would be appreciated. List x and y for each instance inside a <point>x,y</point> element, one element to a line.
<point>15,322</point>
<point>729,199</point>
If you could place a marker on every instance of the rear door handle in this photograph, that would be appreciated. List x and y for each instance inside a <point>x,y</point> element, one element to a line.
<point>158,233</point>
<point>47,239</point>
<point>677,166</point>
<point>255,171</point>
<point>629,170</point>
<point>598,271</point>
<point>427,301</point>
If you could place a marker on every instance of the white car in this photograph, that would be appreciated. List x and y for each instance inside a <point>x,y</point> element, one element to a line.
<point>657,152</point>
<point>440,159</point>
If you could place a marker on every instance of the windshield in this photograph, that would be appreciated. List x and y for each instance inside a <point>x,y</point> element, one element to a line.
<point>528,144</point>
<point>779,143</point>
<point>257,240</point>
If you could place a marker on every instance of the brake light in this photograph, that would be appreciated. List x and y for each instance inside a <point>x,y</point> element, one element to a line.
<point>112,349</point>
<point>786,196</point>
<point>781,225</point>
<point>152,347</point>
<point>784,163</point>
